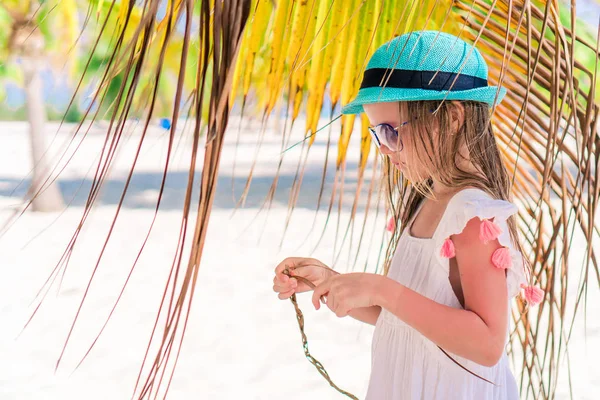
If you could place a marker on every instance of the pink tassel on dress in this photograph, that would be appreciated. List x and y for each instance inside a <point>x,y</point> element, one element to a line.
<point>533,294</point>
<point>489,231</point>
<point>447,250</point>
<point>501,258</point>
<point>391,225</point>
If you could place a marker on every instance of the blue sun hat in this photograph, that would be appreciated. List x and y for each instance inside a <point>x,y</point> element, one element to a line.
<point>425,65</point>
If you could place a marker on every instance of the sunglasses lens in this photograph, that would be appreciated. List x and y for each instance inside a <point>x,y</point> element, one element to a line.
<point>375,137</point>
<point>388,137</point>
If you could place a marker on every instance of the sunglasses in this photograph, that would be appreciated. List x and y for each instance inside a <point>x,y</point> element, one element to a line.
<point>387,135</point>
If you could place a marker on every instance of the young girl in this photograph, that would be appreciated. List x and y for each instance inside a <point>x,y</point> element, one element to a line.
<point>444,302</point>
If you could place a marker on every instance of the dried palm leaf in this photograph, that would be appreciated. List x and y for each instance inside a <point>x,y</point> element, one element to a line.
<point>547,127</point>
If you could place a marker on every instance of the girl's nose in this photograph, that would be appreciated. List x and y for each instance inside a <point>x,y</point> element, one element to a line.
<point>385,150</point>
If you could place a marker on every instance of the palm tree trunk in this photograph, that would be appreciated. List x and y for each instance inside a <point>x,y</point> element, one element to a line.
<point>50,199</point>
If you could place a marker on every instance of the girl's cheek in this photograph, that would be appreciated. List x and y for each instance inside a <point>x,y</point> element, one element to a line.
<point>407,155</point>
<point>414,168</point>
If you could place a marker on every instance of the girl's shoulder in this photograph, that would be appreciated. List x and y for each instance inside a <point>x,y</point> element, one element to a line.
<point>474,202</point>
<point>494,214</point>
<point>481,201</point>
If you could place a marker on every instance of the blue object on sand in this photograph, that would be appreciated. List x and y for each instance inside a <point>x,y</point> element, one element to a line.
<point>165,123</point>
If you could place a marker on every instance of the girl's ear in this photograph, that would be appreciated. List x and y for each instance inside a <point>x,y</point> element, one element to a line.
<point>457,114</point>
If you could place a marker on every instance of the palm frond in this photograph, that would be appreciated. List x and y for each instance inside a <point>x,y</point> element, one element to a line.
<point>300,53</point>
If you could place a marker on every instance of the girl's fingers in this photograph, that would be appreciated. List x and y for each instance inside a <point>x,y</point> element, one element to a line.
<point>292,285</point>
<point>290,263</point>
<point>280,275</point>
<point>280,282</point>
<point>277,281</point>
<point>319,291</point>
<point>331,303</point>
<point>285,295</point>
<point>293,263</point>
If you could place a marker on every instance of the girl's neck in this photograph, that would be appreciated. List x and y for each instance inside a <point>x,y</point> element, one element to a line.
<point>441,191</point>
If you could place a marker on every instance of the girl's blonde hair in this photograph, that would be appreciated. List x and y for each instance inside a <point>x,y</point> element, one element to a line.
<point>475,134</point>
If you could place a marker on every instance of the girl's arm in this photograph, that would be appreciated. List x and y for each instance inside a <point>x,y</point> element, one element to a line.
<point>368,315</point>
<point>478,332</point>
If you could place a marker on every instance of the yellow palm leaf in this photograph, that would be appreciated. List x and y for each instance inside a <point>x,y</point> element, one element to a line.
<point>547,125</point>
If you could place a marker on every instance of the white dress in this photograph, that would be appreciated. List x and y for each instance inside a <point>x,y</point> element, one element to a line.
<point>407,365</point>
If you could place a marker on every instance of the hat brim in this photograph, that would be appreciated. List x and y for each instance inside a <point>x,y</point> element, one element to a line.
<point>382,95</point>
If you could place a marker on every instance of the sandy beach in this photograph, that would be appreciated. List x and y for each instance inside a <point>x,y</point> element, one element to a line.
<point>241,341</point>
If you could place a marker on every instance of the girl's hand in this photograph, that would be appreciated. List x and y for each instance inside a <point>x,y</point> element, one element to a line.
<point>308,268</point>
<point>348,291</point>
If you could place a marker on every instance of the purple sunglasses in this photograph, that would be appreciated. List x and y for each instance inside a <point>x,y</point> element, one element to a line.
<point>385,134</point>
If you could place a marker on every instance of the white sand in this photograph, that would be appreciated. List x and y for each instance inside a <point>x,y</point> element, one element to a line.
<point>241,340</point>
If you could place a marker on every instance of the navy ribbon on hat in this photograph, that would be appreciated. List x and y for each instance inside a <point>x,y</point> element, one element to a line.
<point>413,79</point>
